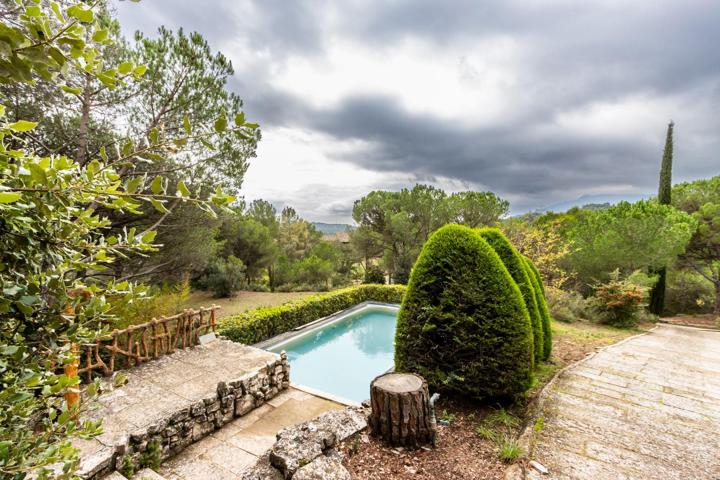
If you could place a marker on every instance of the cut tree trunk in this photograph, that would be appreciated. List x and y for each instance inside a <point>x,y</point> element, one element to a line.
<point>401,410</point>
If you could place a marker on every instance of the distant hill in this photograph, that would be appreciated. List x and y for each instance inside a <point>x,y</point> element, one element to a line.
<point>331,228</point>
<point>594,200</point>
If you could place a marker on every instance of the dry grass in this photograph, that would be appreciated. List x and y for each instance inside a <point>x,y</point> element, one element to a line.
<point>243,301</point>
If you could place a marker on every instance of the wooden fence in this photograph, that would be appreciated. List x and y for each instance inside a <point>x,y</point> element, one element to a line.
<point>139,343</point>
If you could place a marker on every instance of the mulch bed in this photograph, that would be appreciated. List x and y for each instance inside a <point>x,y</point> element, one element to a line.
<point>461,453</point>
<point>702,321</point>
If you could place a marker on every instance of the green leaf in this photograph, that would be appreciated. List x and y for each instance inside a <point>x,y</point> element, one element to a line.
<point>22,126</point>
<point>157,185</point>
<point>101,36</point>
<point>78,11</point>
<point>125,67</point>
<point>240,119</point>
<point>10,197</point>
<point>221,124</point>
<point>148,237</point>
<point>158,205</point>
<point>140,70</point>
<point>33,11</point>
<point>73,90</point>
<point>182,189</point>
<point>153,136</point>
<point>186,125</point>
<point>132,185</point>
<point>58,13</point>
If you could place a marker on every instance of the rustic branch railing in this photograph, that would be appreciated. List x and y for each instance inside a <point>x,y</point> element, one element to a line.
<point>139,343</point>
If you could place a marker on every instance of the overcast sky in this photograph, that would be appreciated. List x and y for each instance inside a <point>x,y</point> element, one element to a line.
<point>539,101</point>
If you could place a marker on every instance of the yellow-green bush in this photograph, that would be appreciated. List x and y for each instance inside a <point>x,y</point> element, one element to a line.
<point>463,324</point>
<point>519,271</point>
<point>263,323</point>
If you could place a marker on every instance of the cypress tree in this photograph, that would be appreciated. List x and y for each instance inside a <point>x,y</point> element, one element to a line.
<point>657,296</point>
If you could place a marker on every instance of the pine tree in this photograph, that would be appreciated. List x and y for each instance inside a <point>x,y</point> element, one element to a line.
<point>657,297</point>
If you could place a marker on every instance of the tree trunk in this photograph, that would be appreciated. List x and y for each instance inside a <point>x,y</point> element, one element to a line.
<point>657,294</point>
<point>717,298</point>
<point>401,412</point>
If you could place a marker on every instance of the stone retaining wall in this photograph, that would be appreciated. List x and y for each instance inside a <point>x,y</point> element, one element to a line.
<point>175,431</point>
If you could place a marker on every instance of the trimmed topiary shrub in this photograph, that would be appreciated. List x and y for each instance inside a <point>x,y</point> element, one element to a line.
<point>519,271</point>
<point>258,325</point>
<point>463,324</point>
<point>542,306</point>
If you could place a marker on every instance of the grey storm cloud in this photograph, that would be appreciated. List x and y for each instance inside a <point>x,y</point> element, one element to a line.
<point>578,54</point>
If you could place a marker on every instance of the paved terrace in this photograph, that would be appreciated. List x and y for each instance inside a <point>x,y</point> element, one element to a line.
<point>181,398</point>
<point>647,408</point>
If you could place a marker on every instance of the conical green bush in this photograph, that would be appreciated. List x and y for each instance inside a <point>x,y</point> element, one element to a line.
<point>542,306</point>
<point>519,271</point>
<point>463,324</point>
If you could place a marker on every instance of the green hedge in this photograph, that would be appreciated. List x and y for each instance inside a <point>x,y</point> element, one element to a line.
<point>519,271</point>
<point>463,324</point>
<point>258,325</point>
<point>542,306</point>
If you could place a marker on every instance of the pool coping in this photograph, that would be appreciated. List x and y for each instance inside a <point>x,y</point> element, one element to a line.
<point>316,324</point>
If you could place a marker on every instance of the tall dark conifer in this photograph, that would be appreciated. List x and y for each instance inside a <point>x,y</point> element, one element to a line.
<point>657,296</point>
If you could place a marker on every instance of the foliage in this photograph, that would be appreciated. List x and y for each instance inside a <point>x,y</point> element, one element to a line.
<point>657,295</point>
<point>263,323</point>
<point>158,301</point>
<point>688,292</point>
<point>519,272</point>
<point>509,449</point>
<point>566,306</point>
<point>618,302</point>
<point>394,225</point>
<point>374,274</point>
<point>627,236</point>
<point>463,324</point>
<point>543,242</point>
<point>56,239</point>
<point>701,199</point>
<point>539,289</point>
<point>224,277</point>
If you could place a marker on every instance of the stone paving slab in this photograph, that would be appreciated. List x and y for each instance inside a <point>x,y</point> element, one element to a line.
<point>175,386</point>
<point>647,408</point>
<point>228,452</point>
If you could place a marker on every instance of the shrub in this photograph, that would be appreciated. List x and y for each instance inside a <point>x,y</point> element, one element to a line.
<point>688,292</point>
<point>161,301</point>
<point>374,274</point>
<point>224,277</point>
<point>619,302</point>
<point>463,324</point>
<point>542,307</point>
<point>515,264</point>
<point>258,325</point>
<point>567,306</point>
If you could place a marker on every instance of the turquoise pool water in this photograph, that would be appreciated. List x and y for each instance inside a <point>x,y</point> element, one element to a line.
<point>342,357</point>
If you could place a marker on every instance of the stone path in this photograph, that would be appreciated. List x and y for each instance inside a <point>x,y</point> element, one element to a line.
<point>228,452</point>
<point>647,408</point>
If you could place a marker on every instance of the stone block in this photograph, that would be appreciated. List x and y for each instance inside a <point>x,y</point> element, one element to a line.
<point>244,405</point>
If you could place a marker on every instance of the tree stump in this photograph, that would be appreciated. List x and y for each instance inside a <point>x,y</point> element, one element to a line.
<point>401,410</point>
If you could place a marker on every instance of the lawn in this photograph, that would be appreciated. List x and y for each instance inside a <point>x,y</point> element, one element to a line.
<point>476,435</point>
<point>243,301</point>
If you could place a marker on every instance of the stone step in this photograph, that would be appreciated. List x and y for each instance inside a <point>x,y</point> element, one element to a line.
<point>147,474</point>
<point>115,476</point>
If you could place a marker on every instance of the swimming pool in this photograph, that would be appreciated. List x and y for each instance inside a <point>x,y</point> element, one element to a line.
<point>343,355</point>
